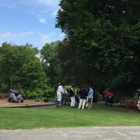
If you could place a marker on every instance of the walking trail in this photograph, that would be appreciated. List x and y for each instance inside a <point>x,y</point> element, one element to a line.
<point>74,133</point>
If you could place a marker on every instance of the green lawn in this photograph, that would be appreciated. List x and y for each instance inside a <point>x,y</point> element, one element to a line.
<point>99,115</point>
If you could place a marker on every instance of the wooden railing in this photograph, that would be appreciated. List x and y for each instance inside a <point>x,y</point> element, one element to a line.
<point>4,96</point>
<point>129,102</point>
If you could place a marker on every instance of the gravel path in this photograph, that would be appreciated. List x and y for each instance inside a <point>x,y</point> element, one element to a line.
<point>78,133</point>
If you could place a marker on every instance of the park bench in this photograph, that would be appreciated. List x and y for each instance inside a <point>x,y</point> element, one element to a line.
<point>4,96</point>
<point>129,102</point>
<point>132,102</point>
<point>124,101</point>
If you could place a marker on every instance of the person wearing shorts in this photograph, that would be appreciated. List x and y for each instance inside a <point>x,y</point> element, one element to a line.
<point>90,97</point>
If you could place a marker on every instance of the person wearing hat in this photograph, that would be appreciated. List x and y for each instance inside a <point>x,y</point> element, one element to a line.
<point>60,91</point>
<point>72,96</point>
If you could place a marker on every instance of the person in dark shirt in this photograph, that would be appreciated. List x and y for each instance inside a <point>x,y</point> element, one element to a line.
<point>83,95</point>
<point>77,96</point>
<point>139,95</point>
<point>138,104</point>
<point>111,97</point>
<point>72,96</point>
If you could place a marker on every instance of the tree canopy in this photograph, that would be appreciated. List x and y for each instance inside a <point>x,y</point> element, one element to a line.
<point>104,38</point>
<point>51,63</point>
<point>18,64</point>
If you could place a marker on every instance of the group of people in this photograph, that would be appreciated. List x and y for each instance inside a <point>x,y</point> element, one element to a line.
<point>83,95</point>
<point>108,96</point>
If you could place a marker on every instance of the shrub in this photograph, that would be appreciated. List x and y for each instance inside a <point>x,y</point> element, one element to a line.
<point>97,97</point>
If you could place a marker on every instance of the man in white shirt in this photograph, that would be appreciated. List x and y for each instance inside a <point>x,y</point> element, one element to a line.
<point>61,90</point>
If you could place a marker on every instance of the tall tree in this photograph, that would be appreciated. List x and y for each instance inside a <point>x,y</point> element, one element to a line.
<point>104,36</point>
<point>51,63</point>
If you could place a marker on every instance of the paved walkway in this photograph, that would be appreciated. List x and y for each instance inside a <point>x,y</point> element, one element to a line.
<point>80,133</point>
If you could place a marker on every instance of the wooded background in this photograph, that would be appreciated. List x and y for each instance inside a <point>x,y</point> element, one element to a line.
<point>101,47</point>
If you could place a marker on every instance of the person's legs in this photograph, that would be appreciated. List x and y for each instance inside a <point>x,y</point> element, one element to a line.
<point>86,102</point>
<point>109,102</point>
<point>80,103</point>
<point>83,105</point>
<point>59,97</point>
<point>89,103</point>
<point>112,101</point>
<point>138,105</point>
<point>72,101</point>
<point>106,101</point>
<point>76,102</point>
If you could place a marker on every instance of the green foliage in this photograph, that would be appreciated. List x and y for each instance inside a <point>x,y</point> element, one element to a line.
<point>102,42</point>
<point>35,77</point>
<point>28,94</point>
<point>68,87</point>
<point>18,64</point>
<point>97,97</point>
<point>101,48</point>
<point>47,92</point>
<point>51,64</point>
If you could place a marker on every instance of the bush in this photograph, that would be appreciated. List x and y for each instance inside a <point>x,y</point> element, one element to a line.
<point>38,92</point>
<point>49,92</point>
<point>97,97</point>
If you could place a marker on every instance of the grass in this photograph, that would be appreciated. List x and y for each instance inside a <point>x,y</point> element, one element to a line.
<point>30,118</point>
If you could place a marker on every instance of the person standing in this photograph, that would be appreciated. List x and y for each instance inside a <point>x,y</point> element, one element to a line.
<point>72,96</point>
<point>83,95</point>
<point>138,104</point>
<point>90,97</point>
<point>111,97</point>
<point>106,96</point>
<point>139,95</point>
<point>59,92</point>
<point>77,96</point>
